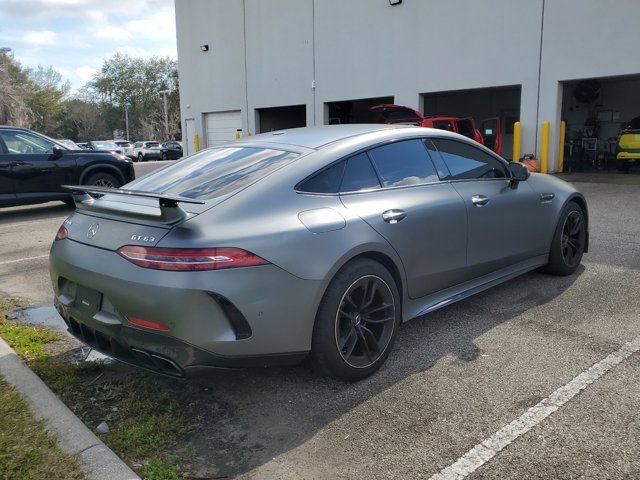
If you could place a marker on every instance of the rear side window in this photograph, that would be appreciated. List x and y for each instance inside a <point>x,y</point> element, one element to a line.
<point>465,127</point>
<point>359,175</point>
<point>404,163</point>
<point>327,181</point>
<point>214,172</point>
<point>466,162</point>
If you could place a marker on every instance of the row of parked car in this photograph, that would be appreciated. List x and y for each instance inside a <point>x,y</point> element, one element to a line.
<point>140,151</point>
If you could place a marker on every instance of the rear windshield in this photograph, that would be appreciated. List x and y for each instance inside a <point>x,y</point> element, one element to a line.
<point>214,172</point>
<point>153,144</point>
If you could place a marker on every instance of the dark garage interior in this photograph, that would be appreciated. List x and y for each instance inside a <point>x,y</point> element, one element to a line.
<point>354,111</point>
<point>279,118</point>
<point>481,104</point>
<point>598,113</point>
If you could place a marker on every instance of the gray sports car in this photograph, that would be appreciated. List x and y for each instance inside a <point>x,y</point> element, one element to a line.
<point>312,242</point>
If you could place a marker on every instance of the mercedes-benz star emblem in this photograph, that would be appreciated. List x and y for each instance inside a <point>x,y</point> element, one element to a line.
<point>93,229</point>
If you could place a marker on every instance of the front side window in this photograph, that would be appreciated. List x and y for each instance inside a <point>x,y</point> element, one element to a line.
<point>214,172</point>
<point>404,163</point>
<point>24,143</point>
<point>467,162</point>
<point>359,175</point>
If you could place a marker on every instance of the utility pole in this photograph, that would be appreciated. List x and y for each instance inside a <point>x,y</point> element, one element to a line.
<point>166,114</point>
<point>126,118</point>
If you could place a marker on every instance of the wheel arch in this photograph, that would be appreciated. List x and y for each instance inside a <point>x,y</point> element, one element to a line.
<point>101,168</point>
<point>393,266</point>
<point>582,203</point>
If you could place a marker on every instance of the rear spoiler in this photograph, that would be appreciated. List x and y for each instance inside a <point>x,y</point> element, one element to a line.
<point>85,197</point>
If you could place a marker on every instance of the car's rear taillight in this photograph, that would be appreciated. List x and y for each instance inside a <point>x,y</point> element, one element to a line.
<point>190,259</point>
<point>62,233</point>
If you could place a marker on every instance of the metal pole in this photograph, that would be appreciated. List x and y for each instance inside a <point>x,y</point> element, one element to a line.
<point>126,118</point>
<point>166,116</point>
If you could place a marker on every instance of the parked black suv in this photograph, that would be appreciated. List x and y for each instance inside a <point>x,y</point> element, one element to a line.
<point>33,167</point>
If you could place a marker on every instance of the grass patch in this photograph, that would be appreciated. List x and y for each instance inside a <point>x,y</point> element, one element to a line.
<point>27,451</point>
<point>160,469</point>
<point>142,410</point>
<point>27,340</point>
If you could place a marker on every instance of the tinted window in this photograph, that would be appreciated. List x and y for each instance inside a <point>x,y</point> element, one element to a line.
<point>327,181</point>
<point>441,167</point>
<point>403,163</point>
<point>214,172</point>
<point>443,125</point>
<point>359,175</point>
<point>465,127</point>
<point>467,162</point>
<point>23,142</point>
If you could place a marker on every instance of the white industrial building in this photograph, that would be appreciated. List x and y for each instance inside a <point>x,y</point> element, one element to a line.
<point>260,65</point>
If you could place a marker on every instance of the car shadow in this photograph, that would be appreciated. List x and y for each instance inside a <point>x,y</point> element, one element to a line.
<point>271,411</point>
<point>34,212</point>
<point>245,418</point>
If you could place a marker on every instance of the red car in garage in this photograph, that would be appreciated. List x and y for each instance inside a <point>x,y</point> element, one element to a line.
<point>490,134</point>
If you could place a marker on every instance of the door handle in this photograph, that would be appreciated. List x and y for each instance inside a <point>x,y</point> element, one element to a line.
<point>394,216</point>
<point>479,200</point>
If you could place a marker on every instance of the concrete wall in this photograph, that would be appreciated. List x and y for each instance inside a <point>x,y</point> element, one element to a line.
<point>366,48</point>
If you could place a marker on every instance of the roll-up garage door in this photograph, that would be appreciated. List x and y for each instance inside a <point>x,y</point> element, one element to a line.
<point>222,126</point>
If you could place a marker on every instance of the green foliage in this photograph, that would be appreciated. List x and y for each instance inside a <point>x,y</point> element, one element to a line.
<point>160,469</point>
<point>40,99</point>
<point>27,340</point>
<point>27,452</point>
<point>137,82</point>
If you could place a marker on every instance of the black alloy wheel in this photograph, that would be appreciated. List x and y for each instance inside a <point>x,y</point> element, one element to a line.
<point>573,239</point>
<point>365,321</point>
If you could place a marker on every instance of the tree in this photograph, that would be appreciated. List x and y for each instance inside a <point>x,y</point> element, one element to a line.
<point>48,92</point>
<point>138,82</point>
<point>14,93</point>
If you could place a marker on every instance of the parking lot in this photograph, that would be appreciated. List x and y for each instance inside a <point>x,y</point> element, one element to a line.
<point>456,376</point>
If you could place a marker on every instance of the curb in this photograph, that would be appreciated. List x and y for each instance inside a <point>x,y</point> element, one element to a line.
<point>74,437</point>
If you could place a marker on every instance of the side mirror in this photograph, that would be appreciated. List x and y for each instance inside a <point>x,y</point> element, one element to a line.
<point>519,173</point>
<point>57,152</point>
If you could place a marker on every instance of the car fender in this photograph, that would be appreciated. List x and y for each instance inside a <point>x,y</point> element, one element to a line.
<point>563,193</point>
<point>88,171</point>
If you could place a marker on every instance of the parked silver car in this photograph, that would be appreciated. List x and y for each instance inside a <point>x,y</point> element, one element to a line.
<point>146,150</point>
<point>311,242</point>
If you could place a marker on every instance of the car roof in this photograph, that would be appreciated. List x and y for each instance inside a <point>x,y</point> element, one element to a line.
<point>316,137</point>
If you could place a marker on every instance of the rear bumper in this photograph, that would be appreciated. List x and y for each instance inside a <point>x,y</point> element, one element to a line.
<point>231,318</point>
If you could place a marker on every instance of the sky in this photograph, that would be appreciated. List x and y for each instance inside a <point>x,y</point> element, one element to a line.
<point>76,36</point>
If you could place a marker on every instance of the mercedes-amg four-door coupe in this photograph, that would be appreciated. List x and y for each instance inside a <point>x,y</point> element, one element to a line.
<point>307,243</point>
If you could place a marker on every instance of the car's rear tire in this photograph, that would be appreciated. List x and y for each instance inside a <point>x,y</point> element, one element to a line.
<point>140,157</point>
<point>103,179</point>
<point>569,241</point>
<point>357,322</point>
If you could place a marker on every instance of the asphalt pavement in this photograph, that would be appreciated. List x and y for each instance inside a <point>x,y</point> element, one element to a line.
<point>456,378</point>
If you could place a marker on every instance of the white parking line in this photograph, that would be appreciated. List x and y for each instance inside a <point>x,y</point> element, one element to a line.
<point>23,259</point>
<point>485,451</point>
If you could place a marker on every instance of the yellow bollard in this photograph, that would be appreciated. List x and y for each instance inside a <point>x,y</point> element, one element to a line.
<point>196,143</point>
<point>563,131</point>
<point>517,135</point>
<point>238,134</point>
<point>544,147</point>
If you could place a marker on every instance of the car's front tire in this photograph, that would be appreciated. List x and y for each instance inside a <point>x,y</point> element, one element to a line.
<point>103,179</point>
<point>357,322</point>
<point>569,241</point>
<point>140,157</point>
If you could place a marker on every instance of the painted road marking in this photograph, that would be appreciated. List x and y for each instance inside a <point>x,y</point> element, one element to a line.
<point>23,259</point>
<point>485,451</point>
